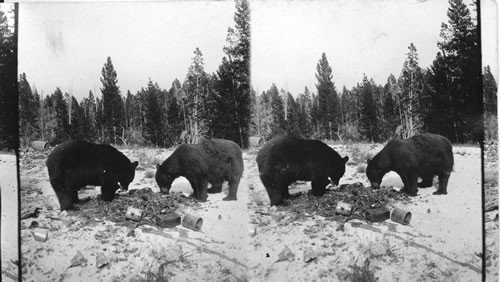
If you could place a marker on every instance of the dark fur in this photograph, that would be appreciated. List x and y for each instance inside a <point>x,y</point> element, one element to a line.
<point>285,159</point>
<point>211,161</point>
<point>424,156</point>
<point>74,164</point>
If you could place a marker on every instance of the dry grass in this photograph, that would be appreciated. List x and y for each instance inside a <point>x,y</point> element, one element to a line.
<point>362,273</point>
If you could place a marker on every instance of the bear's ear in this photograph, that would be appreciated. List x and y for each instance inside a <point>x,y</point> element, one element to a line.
<point>368,161</point>
<point>346,158</point>
<point>157,166</point>
<point>135,164</point>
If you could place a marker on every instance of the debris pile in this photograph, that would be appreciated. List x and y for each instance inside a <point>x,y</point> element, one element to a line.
<point>359,198</point>
<point>149,203</point>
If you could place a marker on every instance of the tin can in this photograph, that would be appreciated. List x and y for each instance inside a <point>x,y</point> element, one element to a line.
<point>41,235</point>
<point>343,208</point>
<point>133,214</point>
<point>192,222</point>
<point>377,215</point>
<point>401,216</point>
<point>172,219</point>
<point>252,230</point>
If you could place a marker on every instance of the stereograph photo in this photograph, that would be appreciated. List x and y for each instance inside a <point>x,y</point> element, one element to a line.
<point>249,140</point>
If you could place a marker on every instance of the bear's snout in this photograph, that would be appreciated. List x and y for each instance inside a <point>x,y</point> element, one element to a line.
<point>164,190</point>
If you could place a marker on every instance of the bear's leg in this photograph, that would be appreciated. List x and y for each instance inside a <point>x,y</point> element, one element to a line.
<point>216,188</point>
<point>195,191</point>
<point>411,184</point>
<point>272,190</point>
<point>426,182</point>
<point>65,194</point>
<point>281,184</point>
<point>201,189</point>
<point>319,186</point>
<point>284,190</point>
<point>443,183</point>
<point>74,197</point>
<point>233,189</point>
<point>406,187</point>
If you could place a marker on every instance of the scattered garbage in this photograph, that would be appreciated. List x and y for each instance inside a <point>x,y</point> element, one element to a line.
<point>309,255</point>
<point>401,216</point>
<point>40,145</point>
<point>285,254</point>
<point>78,260</point>
<point>133,214</point>
<point>32,212</point>
<point>343,208</point>
<point>378,215</point>
<point>41,235</point>
<point>101,260</point>
<point>169,220</point>
<point>34,224</point>
<point>193,222</point>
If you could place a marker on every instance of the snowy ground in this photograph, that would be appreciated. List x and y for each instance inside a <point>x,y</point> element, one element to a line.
<point>242,240</point>
<point>9,224</point>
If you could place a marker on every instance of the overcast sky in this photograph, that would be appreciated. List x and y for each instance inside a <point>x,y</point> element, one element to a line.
<point>64,44</point>
<point>358,36</point>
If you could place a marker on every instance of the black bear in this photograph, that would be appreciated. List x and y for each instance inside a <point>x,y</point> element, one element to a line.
<point>211,161</point>
<point>424,155</point>
<point>286,159</point>
<point>74,164</point>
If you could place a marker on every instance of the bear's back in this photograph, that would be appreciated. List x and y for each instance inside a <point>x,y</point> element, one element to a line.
<point>291,149</point>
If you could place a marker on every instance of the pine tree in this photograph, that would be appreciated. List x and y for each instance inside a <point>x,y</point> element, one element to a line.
<point>153,126</point>
<point>174,124</point>
<point>277,111</point>
<point>76,128</point>
<point>490,105</point>
<point>329,105</point>
<point>368,121</point>
<point>9,99</point>
<point>489,92</point>
<point>89,108</point>
<point>196,87</point>
<point>411,85</point>
<point>113,117</point>
<point>62,129</point>
<point>460,55</point>
<point>233,81</point>
<point>29,126</point>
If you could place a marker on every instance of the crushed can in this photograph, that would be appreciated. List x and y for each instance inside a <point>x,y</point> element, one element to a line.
<point>169,220</point>
<point>252,230</point>
<point>133,214</point>
<point>377,215</point>
<point>343,208</point>
<point>401,216</point>
<point>192,222</point>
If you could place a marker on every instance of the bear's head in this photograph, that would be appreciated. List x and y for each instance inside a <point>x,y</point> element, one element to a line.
<point>338,171</point>
<point>114,180</point>
<point>164,178</point>
<point>127,175</point>
<point>374,174</point>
